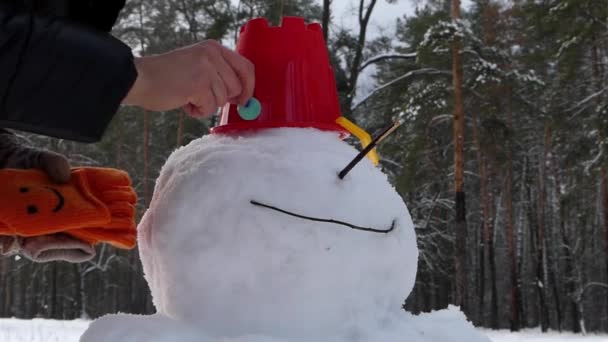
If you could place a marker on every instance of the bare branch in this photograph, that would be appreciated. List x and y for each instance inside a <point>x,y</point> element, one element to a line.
<point>587,99</point>
<point>354,67</point>
<point>424,71</point>
<point>380,58</point>
<point>361,3</point>
<point>582,291</point>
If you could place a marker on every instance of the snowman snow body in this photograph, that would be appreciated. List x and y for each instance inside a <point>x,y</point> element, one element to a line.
<point>213,258</point>
<point>222,269</point>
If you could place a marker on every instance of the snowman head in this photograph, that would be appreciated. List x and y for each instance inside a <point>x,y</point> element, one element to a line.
<point>257,234</point>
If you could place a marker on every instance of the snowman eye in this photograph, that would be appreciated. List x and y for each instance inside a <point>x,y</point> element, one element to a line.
<point>368,148</point>
<point>316,219</point>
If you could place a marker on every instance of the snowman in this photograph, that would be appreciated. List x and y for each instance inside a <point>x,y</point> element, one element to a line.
<point>267,230</point>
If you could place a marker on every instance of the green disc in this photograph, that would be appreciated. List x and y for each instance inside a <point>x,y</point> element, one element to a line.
<point>251,110</point>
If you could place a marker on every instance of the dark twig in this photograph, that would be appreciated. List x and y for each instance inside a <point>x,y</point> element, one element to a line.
<point>368,148</point>
<point>373,230</point>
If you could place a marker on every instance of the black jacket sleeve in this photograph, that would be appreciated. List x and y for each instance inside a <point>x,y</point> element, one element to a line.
<point>59,78</point>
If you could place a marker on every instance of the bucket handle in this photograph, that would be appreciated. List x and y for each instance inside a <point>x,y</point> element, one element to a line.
<point>362,135</point>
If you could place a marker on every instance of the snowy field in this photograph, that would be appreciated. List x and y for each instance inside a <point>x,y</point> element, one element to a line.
<point>39,330</point>
<point>534,335</point>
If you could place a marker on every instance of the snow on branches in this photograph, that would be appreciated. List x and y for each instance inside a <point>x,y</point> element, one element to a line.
<point>444,32</point>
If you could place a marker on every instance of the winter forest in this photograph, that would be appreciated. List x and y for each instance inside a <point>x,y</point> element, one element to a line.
<point>502,158</point>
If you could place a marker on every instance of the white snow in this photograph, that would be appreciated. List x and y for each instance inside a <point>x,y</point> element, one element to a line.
<point>566,44</point>
<point>223,269</point>
<point>40,330</point>
<point>535,335</point>
<point>423,71</point>
<point>444,325</point>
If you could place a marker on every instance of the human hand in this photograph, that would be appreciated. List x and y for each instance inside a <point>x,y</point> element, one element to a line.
<point>13,155</point>
<point>199,78</point>
<point>48,247</point>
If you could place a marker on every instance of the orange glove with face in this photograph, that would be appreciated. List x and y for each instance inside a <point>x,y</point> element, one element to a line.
<point>96,205</point>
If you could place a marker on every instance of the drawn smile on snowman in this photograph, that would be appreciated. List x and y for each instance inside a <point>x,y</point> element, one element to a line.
<point>332,221</point>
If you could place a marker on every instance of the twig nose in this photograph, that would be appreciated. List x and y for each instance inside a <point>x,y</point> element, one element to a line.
<point>368,148</point>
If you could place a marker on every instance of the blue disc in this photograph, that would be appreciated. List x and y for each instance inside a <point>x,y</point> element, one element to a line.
<point>251,110</point>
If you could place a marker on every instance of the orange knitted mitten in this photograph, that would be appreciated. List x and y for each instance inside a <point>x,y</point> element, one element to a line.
<point>97,205</point>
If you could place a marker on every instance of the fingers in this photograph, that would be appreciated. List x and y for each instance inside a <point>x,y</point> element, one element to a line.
<point>56,166</point>
<point>203,103</point>
<point>199,78</point>
<point>244,70</point>
<point>229,78</point>
<point>192,110</point>
<point>219,90</point>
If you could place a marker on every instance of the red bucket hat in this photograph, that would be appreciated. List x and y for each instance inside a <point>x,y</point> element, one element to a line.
<point>295,84</point>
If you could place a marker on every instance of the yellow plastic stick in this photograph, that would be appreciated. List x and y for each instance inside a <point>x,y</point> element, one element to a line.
<point>362,135</point>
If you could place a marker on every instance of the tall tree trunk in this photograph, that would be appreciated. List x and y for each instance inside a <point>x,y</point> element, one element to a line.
<point>604,185</point>
<point>494,323</point>
<point>580,313</point>
<point>82,292</point>
<point>458,139</point>
<point>567,248</point>
<point>180,129</point>
<point>514,291</point>
<point>53,311</point>
<point>364,17</point>
<point>522,242</point>
<point>555,292</point>
<point>277,12</point>
<point>598,76</point>
<point>325,19</point>
<point>488,243</point>
<point>19,296</point>
<point>484,249</point>
<point>541,276</point>
<point>146,158</point>
<point>146,128</point>
<point>572,283</point>
<point>6,287</point>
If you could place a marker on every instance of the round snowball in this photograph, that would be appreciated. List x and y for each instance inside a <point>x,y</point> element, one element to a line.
<point>213,258</point>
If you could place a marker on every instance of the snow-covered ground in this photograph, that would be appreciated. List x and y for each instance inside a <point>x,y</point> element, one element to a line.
<point>535,335</point>
<point>39,330</point>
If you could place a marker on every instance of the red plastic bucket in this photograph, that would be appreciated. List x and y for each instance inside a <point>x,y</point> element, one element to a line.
<point>295,83</point>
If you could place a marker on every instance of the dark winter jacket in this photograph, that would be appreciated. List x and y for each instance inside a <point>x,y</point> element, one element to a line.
<point>61,73</point>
